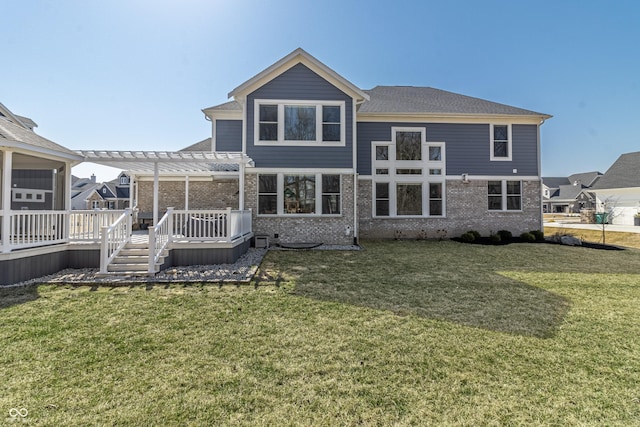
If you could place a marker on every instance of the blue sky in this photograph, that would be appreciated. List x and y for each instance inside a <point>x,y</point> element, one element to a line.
<point>134,74</point>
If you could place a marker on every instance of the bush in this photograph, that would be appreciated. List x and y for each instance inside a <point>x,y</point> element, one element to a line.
<point>468,237</point>
<point>539,235</point>
<point>495,238</point>
<point>476,235</point>
<point>528,237</point>
<point>505,235</point>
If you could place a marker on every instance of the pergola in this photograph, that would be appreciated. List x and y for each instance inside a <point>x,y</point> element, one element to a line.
<point>172,163</point>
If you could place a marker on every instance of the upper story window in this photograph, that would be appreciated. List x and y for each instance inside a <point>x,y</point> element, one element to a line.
<point>500,142</point>
<point>302,123</point>
<point>124,180</point>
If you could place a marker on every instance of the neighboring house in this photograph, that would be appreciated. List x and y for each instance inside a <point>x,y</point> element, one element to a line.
<point>618,190</point>
<point>569,194</point>
<point>88,194</point>
<point>334,162</point>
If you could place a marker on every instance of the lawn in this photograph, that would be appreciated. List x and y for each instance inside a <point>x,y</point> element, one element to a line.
<point>401,333</point>
<point>629,240</point>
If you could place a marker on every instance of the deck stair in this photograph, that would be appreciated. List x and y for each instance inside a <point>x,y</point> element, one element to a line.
<point>133,260</point>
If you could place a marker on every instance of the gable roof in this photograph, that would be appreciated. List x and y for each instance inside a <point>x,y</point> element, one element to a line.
<point>428,100</point>
<point>587,179</point>
<point>13,135</point>
<point>299,56</point>
<point>204,145</point>
<point>554,181</point>
<point>623,173</point>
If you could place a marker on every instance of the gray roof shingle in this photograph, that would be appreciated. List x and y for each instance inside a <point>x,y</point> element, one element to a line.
<point>11,132</point>
<point>427,100</point>
<point>623,173</point>
<point>204,145</point>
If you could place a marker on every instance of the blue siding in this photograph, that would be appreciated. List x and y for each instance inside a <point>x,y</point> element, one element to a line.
<point>300,83</point>
<point>228,135</point>
<point>467,147</point>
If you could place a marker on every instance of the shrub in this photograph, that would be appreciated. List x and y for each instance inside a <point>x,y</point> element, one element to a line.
<point>539,235</point>
<point>505,235</point>
<point>528,237</point>
<point>495,238</point>
<point>476,235</point>
<point>468,237</point>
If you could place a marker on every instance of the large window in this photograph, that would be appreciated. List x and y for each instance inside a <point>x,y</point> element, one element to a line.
<point>504,195</point>
<point>500,142</point>
<point>299,194</point>
<point>408,175</point>
<point>299,122</point>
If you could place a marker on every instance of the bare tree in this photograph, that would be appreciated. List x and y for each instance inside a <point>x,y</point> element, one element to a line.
<point>608,211</point>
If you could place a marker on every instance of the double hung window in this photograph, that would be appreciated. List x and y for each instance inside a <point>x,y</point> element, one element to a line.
<point>504,195</point>
<point>500,142</point>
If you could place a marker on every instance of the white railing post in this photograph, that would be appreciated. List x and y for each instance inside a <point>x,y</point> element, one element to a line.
<point>129,213</point>
<point>228,225</point>
<point>152,250</point>
<point>104,250</point>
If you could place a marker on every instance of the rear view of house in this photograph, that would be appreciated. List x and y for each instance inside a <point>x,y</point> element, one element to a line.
<point>334,163</point>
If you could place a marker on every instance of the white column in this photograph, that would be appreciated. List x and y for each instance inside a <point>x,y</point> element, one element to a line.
<point>6,199</point>
<point>156,174</point>
<point>241,187</point>
<point>131,199</point>
<point>186,193</point>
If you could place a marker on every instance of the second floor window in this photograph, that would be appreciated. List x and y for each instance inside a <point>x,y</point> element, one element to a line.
<point>299,122</point>
<point>500,142</point>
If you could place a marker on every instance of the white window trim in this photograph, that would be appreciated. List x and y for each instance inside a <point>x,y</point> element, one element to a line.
<point>394,179</point>
<point>509,143</point>
<point>281,141</point>
<point>34,193</point>
<point>505,195</point>
<point>280,196</point>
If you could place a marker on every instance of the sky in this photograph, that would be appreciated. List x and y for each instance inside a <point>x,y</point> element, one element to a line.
<point>135,74</point>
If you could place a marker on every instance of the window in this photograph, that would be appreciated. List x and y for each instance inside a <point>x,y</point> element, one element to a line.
<point>504,195</point>
<point>330,194</point>
<point>409,175</point>
<point>409,199</point>
<point>500,142</point>
<point>28,195</point>
<point>268,115</point>
<point>124,180</point>
<point>299,194</point>
<point>435,199</point>
<point>382,199</point>
<point>408,145</point>
<point>331,123</point>
<point>299,122</point>
<point>267,194</point>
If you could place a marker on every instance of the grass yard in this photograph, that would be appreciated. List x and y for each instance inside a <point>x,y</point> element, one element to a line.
<point>402,333</point>
<point>629,240</point>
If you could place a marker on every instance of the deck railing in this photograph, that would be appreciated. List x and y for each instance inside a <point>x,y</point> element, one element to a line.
<point>28,229</point>
<point>114,238</point>
<point>86,225</point>
<point>160,236</point>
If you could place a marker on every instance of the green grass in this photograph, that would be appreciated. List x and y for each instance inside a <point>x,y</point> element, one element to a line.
<point>402,333</point>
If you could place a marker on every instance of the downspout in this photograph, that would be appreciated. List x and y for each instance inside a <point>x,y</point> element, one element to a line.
<point>540,175</point>
<point>354,142</point>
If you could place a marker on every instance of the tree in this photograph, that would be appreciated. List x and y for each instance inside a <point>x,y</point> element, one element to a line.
<point>608,211</point>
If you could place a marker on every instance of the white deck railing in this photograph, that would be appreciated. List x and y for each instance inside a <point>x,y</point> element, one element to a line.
<point>86,225</point>
<point>160,236</point>
<point>29,229</point>
<point>114,238</point>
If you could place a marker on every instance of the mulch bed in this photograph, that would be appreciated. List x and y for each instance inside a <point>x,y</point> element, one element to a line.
<point>487,242</point>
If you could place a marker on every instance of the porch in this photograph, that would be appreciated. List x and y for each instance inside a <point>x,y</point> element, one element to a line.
<point>38,243</point>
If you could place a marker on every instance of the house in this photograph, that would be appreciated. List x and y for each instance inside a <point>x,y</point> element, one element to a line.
<point>301,154</point>
<point>569,194</point>
<point>88,194</point>
<point>334,163</point>
<point>618,190</point>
